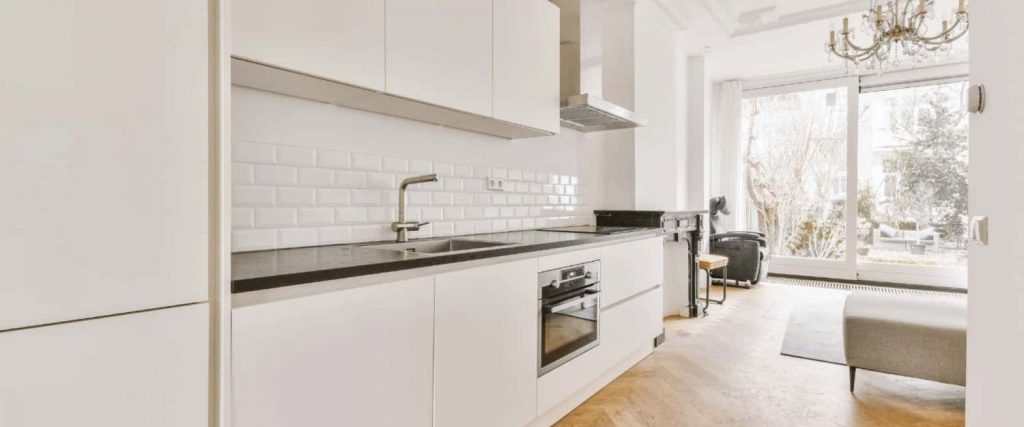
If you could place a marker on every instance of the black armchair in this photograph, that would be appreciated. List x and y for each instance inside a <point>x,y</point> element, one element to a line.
<point>747,250</point>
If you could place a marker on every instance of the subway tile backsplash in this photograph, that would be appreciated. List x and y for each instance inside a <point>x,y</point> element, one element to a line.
<point>287,196</point>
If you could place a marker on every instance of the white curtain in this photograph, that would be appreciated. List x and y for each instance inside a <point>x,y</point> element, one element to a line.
<point>726,171</point>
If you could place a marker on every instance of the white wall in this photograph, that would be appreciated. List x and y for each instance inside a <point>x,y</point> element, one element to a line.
<point>278,138</point>
<point>658,171</point>
<point>995,328</point>
<point>696,132</point>
<point>618,53</point>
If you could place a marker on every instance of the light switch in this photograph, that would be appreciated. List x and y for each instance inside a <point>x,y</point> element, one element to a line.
<point>979,230</point>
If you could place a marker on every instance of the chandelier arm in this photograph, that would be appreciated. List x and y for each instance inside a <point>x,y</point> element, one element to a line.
<point>855,58</point>
<point>906,10</point>
<point>917,21</point>
<point>947,40</point>
<point>894,21</point>
<point>874,45</point>
<point>942,36</point>
<point>843,55</point>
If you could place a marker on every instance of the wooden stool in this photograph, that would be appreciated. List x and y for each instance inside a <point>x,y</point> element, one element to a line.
<point>713,262</point>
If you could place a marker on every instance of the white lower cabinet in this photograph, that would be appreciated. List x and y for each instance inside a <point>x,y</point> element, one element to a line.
<point>630,268</point>
<point>452,350</point>
<point>140,369</point>
<point>359,357</point>
<point>625,329</point>
<point>485,360</point>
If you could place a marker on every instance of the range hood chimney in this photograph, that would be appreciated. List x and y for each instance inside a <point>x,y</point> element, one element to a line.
<point>583,108</point>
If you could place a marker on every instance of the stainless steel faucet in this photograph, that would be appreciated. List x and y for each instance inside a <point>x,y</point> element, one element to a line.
<point>401,227</point>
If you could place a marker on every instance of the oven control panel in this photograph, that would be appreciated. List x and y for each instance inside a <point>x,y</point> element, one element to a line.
<point>568,279</point>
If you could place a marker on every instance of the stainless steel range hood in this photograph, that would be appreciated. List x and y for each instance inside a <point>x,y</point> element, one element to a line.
<point>583,108</point>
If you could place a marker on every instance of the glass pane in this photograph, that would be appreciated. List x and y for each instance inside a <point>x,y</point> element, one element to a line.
<point>912,154</point>
<point>794,146</point>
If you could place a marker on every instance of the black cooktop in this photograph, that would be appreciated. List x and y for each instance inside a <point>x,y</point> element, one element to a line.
<point>594,229</point>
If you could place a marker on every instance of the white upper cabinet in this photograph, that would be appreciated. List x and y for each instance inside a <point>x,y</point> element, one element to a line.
<point>141,369</point>
<point>340,40</point>
<point>486,66</point>
<point>359,357</point>
<point>526,63</point>
<point>485,350</point>
<point>103,157</point>
<point>439,51</point>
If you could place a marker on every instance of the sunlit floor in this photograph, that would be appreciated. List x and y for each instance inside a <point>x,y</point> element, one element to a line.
<point>726,370</point>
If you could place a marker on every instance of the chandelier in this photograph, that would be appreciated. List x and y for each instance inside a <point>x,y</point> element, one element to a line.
<point>898,29</point>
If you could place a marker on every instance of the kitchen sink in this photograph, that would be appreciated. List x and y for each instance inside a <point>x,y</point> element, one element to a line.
<point>439,246</point>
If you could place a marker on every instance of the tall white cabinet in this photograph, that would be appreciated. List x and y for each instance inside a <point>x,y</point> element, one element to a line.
<point>104,174</point>
<point>103,157</point>
<point>440,52</point>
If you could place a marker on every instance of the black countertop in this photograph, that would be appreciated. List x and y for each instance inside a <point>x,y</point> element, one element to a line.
<point>253,271</point>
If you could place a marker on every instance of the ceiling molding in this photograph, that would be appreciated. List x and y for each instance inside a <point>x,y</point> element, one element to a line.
<point>675,13</point>
<point>751,17</point>
<point>805,16</point>
<point>722,13</point>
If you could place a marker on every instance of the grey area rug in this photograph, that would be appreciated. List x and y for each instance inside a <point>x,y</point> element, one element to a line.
<point>815,329</point>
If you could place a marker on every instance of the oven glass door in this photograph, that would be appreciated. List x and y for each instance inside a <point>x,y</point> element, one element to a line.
<point>569,327</point>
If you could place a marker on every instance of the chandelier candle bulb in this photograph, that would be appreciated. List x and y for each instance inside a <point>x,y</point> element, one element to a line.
<point>831,38</point>
<point>846,26</point>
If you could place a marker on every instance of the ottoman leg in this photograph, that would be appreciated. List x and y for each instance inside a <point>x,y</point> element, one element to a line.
<point>853,374</point>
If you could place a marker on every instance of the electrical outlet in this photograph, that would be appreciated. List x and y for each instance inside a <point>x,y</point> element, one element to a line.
<point>495,184</point>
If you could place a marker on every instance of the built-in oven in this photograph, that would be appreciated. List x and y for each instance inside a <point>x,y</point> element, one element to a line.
<point>570,313</point>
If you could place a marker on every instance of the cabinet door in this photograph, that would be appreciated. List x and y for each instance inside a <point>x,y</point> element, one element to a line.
<point>103,157</point>
<point>142,369</point>
<point>526,61</point>
<point>630,268</point>
<point>485,356</point>
<point>340,40</point>
<point>439,51</point>
<point>359,357</point>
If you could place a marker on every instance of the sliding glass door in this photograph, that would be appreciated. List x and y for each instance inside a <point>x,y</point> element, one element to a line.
<point>796,167</point>
<point>912,209</point>
<point>795,146</point>
<point>858,184</point>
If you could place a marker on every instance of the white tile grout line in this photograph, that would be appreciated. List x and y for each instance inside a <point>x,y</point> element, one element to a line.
<point>856,287</point>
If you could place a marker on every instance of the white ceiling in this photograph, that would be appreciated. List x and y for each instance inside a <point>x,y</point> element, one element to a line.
<point>750,39</point>
<point>713,20</point>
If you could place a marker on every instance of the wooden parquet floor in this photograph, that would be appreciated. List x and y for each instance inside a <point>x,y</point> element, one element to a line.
<point>726,370</point>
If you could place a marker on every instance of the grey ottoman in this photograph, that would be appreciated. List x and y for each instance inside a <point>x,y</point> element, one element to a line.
<point>911,336</point>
